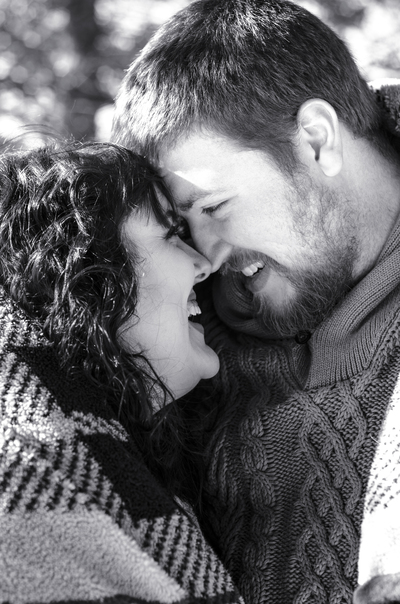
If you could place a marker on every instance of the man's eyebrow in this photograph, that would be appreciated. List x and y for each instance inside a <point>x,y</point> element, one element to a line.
<point>185,206</point>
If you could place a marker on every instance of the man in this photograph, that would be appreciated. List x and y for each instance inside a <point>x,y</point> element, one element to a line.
<point>278,156</point>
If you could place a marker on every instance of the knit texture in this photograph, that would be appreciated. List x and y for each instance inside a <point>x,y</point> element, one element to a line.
<point>81,517</point>
<point>290,459</point>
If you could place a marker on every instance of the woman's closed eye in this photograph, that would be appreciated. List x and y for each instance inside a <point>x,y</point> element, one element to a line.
<point>211,210</point>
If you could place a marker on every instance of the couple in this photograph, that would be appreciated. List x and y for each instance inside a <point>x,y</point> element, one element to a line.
<point>283,164</point>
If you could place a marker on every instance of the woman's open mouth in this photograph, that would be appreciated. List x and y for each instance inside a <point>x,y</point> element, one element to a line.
<point>193,309</point>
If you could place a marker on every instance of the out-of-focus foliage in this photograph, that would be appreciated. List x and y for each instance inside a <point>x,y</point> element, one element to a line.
<point>371,29</point>
<point>61,61</point>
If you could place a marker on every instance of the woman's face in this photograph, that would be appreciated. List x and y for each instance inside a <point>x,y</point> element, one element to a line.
<point>161,328</point>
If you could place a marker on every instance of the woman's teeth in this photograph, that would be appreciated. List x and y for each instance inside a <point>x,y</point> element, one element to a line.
<point>193,308</point>
<point>252,269</point>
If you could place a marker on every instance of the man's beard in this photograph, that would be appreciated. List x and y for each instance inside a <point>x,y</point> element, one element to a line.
<point>318,289</point>
<point>317,293</point>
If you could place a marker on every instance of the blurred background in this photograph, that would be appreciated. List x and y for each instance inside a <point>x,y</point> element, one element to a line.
<point>61,61</point>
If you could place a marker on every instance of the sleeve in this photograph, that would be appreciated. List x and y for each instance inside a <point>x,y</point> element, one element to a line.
<point>382,589</point>
<point>82,519</point>
<point>77,556</point>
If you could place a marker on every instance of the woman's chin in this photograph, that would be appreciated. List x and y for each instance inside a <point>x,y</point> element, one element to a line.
<point>197,326</point>
<point>214,361</point>
<point>202,366</point>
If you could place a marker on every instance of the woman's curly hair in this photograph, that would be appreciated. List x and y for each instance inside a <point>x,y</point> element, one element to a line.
<point>62,259</point>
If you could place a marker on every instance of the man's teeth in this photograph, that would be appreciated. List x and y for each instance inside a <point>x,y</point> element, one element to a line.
<point>193,308</point>
<point>252,269</point>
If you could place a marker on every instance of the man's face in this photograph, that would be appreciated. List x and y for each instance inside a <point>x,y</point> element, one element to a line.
<point>291,238</point>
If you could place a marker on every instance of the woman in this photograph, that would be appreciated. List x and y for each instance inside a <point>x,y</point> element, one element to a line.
<point>96,289</point>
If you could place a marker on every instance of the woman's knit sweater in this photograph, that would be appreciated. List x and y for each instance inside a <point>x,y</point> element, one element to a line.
<point>81,517</point>
<point>290,460</point>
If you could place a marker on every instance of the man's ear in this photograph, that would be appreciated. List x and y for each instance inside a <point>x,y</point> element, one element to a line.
<point>320,135</point>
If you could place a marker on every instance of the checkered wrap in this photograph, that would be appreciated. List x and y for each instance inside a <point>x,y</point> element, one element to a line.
<point>81,517</point>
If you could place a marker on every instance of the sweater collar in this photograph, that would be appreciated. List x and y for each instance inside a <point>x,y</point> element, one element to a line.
<point>347,342</point>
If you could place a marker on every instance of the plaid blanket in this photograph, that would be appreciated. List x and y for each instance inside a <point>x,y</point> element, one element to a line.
<point>81,517</point>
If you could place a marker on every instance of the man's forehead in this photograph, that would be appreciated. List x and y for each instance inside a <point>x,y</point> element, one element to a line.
<point>186,192</point>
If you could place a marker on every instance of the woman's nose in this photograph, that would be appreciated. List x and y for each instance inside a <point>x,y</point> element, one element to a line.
<point>202,266</point>
<point>213,247</point>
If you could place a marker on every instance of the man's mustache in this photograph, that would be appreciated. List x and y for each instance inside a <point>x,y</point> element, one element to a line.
<point>239,259</point>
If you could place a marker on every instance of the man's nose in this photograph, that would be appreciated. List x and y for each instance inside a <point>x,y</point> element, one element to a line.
<point>212,247</point>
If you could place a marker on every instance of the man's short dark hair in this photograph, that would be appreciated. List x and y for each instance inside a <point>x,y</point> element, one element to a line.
<point>241,68</point>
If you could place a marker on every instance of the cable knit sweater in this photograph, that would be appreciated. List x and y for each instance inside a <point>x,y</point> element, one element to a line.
<point>81,517</point>
<point>292,457</point>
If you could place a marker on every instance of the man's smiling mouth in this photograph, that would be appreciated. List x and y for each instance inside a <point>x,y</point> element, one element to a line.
<point>245,262</point>
<point>257,270</point>
<point>253,269</point>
